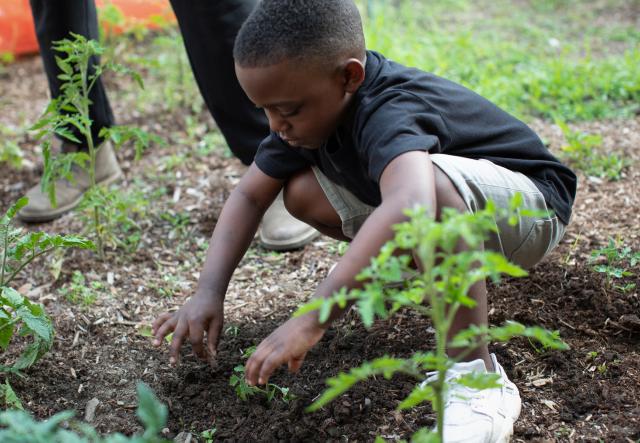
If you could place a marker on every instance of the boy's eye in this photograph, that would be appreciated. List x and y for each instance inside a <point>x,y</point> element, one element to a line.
<point>289,112</point>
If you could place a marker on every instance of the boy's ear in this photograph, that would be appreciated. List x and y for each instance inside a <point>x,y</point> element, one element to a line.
<point>352,75</point>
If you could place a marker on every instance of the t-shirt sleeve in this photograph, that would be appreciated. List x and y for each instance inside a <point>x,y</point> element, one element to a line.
<point>395,123</point>
<point>278,160</point>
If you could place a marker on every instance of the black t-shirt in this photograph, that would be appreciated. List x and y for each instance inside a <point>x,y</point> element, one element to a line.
<point>399,109</point>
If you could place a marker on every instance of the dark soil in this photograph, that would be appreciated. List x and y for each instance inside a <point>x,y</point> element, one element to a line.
<point>590,392</point>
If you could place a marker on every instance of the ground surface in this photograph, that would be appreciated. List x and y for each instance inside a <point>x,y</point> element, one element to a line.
<point>590,392</point>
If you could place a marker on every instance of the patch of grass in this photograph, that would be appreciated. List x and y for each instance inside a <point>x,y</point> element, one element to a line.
<point>527,60</point>
<point>583,151</point>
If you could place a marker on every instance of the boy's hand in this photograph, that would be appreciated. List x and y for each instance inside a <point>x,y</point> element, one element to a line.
<point>287,344</point>
<point>200,314</point>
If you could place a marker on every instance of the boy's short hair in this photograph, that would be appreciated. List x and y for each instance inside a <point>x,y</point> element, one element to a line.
<point>279,30</point>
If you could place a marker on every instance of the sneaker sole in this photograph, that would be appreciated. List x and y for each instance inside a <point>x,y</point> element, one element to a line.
<point>61,210</point>
<point>293,243</point>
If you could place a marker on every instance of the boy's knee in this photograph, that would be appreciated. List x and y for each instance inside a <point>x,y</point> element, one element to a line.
<point>298,193</point>
<point>447,195</point>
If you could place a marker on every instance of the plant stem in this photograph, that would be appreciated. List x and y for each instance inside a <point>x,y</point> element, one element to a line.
<point>84,66</point>
<point>29,260</point>
<point>4,253</point>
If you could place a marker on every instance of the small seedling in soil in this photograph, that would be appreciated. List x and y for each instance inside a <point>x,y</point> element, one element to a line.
<point>244,390</point>
<point>232,330</point>
<point>10,152</point>
<point>18,315</point>
<point>391,283</point>
<point>208,436</point>
<point>77,291</point>
<point>615,261</point>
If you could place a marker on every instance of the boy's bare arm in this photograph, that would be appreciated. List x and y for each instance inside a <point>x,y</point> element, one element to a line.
<point>234,231</point>
<point>408,180</point>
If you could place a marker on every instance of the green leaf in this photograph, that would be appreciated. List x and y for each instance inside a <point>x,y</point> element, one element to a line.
<point>425,435</point>
<point>12,298</point>
<point>39,324</point>
<point>6,333</point>
<point>477,380</point>
<point>418,395</point>
<point>11,400</point>
<point>29,356</point>
<point>151,412</point>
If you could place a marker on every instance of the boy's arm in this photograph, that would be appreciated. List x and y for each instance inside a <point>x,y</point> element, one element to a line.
<point>408,180</point>
<point>234,231</point>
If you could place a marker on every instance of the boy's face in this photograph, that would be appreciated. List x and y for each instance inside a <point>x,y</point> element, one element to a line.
<point>304,104</point>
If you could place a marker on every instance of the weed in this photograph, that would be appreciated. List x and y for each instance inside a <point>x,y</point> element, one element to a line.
<point>615,261</point>
<point>582,151</point>
<point>10,152</point>
<point>232,330</point>
<point>78,292</point>
<point>391,284</point>
<point>208,436</point>
<point>169,285</point>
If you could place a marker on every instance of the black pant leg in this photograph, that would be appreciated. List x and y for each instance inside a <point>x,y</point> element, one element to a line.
<point>53,20</point>
<point>209,28</point>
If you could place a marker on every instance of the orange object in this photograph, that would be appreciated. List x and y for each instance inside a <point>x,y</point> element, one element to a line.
<point>17,32</point>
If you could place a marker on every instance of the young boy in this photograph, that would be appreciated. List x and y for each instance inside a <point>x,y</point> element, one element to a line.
<point>355,139</point>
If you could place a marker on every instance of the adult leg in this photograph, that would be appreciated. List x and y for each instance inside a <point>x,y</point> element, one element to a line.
<point>54,20</point>
<point>209,30</point>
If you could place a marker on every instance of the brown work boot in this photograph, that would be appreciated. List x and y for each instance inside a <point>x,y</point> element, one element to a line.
<point>68,194</point>
<point>280,231</point>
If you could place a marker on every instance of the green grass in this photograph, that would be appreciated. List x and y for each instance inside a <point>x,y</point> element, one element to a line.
<point>534,59</point>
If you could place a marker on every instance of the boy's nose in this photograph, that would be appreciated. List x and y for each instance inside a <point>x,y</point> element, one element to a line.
<point>277,123</point>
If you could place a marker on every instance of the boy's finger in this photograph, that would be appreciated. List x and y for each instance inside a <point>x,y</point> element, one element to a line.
<point>296,362</point>
<point>213,336</point>
<point>196,334</point>
<point>176,342</point>
<point>254,364</point>
<point>273,362</point>
<point>160,321</point>
<point>164,330</point>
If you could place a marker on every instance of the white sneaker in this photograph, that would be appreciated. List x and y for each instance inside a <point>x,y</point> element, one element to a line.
<point>480,415</point>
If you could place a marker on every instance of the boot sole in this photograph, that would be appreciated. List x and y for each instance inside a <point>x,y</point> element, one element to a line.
<point>61,210</point>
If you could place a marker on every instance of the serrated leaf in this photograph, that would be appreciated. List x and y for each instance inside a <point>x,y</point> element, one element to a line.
<point>40,325</point>
<point>12,298</point>
<point>11,400</point>
<point>6,332</point>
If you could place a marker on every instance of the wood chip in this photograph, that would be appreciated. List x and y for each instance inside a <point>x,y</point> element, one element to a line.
<point>90,410</point>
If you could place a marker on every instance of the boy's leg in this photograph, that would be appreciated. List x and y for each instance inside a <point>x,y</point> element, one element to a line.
<point>54,20</point>
<point>306,200</point>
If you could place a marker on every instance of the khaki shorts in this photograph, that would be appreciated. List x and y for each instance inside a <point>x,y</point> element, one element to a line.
<point>477,181</point>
